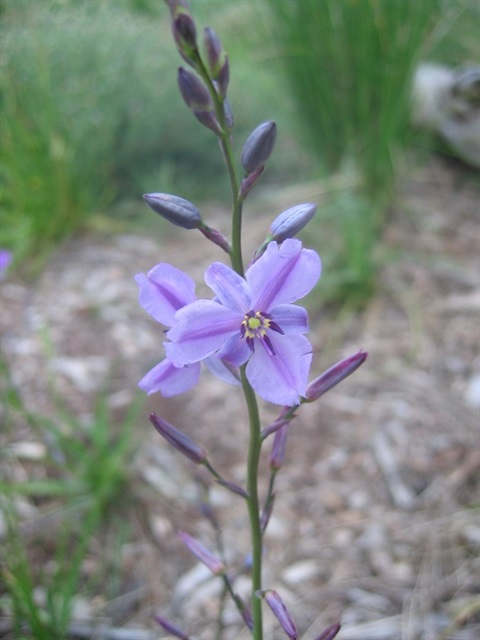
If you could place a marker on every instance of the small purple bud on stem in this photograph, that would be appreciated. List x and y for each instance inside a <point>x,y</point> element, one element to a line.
<point>280,611</point>
<point>291,221</point>
<point>266,513</point>
<point>179,440</point>
<point>216,237</point>
<point>176,210</point>
<point>215,53</point>
<point>334,375</point>
<point>277,454</point>
<point>329,633</point>
<point>184,31</point>
<point>171,628</point>
<point>259,146</point>
<point>195,547</point>
<point>234,488</point>
<point>227,108</point>
<point>194,92</point>
<point>250,181</point>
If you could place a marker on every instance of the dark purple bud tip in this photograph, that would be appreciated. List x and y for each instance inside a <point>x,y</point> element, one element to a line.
<point>174,209</point>
<point>195,547</point>
<point>329,633</point>
<point>179,440</point>
<point>334,375</point>
<point>171,628</point>
<point>280,611</point>
<point>277,454</point>
<point>291,221</point>
<point>259,146</point>
<point>193,91</point>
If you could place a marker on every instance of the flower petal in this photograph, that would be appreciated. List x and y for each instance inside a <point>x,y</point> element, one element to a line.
<point>283,274</point>
<point>235,351</point>
<point>200,329</point>
<point>281,378</point>
<point>170,380</point>
<point>230,288</point>
<point>164,290</point>
<point>220,370</point>
<point>290,318</point>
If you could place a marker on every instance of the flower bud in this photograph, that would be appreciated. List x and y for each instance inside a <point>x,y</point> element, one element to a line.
<point>179,440</point>
<point>291,221</point>
<point>250,181</point>
<point>174,209</point>
<point>330,632</point>
<point>234,488</point>
<point>227,109</point>
<point>171,628</point>
<point>280,611</point>
<point>209,120</point>
<point>259,146</point>
<point>334,375</point>
<point>224,78</point>
<point>244,612</point>
<point>193,91</point>
<point>277,453</point>
<point>266,513</point>
<point>195,547</point>
<point>184,31</point>
<point>216,237</point>
<point>215,52</point>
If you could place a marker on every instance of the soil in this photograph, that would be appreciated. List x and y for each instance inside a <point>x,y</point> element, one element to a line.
<point>376,520</point>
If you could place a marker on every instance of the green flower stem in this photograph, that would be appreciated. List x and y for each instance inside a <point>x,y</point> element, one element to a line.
<point>255,443</point>
<point>253,504</point>
<point>226,146</point>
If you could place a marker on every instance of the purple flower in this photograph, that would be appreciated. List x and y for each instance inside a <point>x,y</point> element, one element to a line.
<point>163,291</point>
<point>5,260</point>
<point>252,319</point>
<point>280,611</point>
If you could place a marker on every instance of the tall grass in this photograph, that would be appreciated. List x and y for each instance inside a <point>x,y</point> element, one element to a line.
<point>350,66</point>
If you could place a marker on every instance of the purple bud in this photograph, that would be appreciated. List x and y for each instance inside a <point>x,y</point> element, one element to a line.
<point>287,415</point>
<point>216,237</point>
<point>195,547</point>
<point>259,146</point>
<point>329,633</point>
<point>193,91</point>
<point>215,52</point>
<point>277,453</point>
<point>171,628</point>
<point>179,440</point>
<point>266,513</point>
<point>250,181</point>
<point>334,375</point>
<point>234,488</point>
<point>227,109</point>
<point>174,209</point>
<point>244,611</point>
<point>209,120</point>
<point>184,31</point>
<point>224,78</point>
<point>5,260</point>
<point>279,610</point>
<point>291,221</point>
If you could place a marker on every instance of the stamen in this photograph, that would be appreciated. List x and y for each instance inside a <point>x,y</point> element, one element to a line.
<point>255,325</point>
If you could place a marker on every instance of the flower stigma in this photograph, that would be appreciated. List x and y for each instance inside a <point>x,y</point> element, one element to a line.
<point>255,325</point>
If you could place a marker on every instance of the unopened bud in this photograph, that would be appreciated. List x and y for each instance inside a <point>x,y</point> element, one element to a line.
<point>215,52</point>
<point>280,611</point>
<point>291,221</point>
<point>234,488</point>
<point>330,632</point>
<point>193,91</point>
<point>184,31</point>
<point>179,440</point>
<point>216,237</point>
<point>224,78</point>
<point>205,556</point>
<point>277,454</point>
<point>259,146</point>
<point>171,628</point>
<point>250,181</point>
<point>244,611</point>
<point>174,209</point>
<point>209,120</point>
<point>334,375</point>
<point>227,109</point>
<point>267,513</point>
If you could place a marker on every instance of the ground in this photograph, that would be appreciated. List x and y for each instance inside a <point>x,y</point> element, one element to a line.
<point>376,520</point>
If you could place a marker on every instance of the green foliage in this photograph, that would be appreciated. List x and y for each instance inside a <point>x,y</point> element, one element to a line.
<point>86,485</point>
<point>350,65</point>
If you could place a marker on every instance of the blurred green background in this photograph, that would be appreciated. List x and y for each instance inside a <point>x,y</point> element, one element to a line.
<point>91,117</point>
